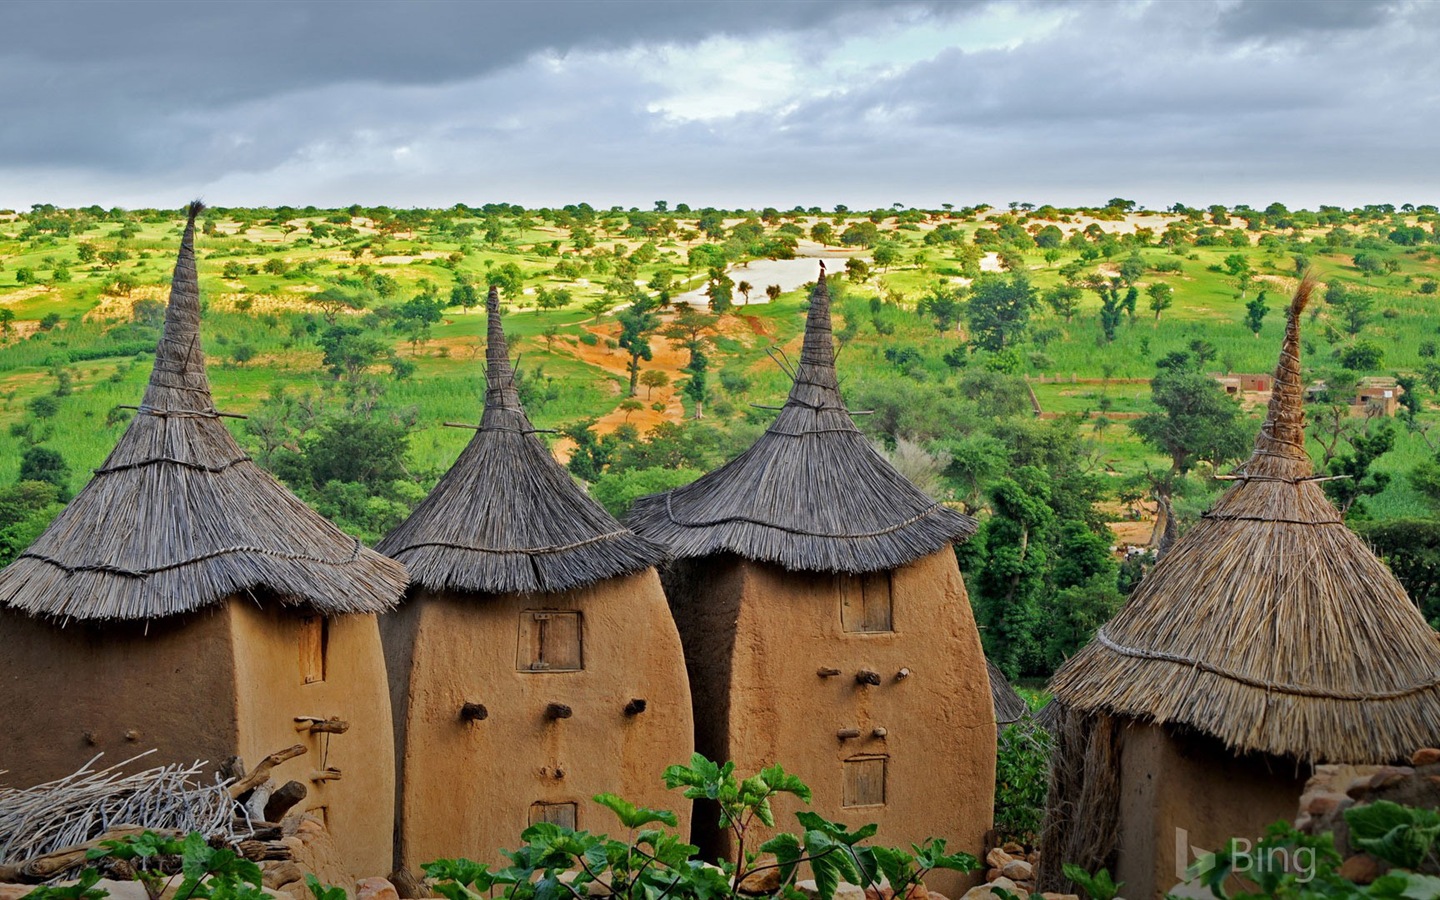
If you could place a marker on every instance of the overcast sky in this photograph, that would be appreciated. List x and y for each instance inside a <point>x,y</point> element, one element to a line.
<point>772,102</point>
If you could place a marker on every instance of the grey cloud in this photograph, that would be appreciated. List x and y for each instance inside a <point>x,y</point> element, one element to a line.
<point>1281,19</point>
<point>294,103</point>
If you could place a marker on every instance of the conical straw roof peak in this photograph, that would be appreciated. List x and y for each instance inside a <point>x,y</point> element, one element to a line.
<point>179,518</point>
<point>1280,446</point>
<point>502,399</point>
<point>507,518</point>
<point>811,494</point>
<point>178,382</point>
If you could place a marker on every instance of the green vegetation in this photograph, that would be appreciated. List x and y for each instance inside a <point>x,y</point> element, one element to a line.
<point>349,337</point>
<point>654,863</point>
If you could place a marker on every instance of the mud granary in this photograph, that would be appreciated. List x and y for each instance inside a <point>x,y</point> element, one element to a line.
<point>1267,640</point>
<point>534,663</point>
<point>185,601</point>
<point>825,623</point>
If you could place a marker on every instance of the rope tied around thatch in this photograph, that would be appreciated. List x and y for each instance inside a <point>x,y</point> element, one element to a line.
<point>225,551</point>
<point>551,548</point>
<point>848,534</point>
<point>1274,687</point>
<point>174,461</point>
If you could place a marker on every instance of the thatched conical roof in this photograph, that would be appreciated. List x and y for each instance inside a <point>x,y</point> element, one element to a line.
<point>179,518</point>
<point>1009,705</point>
<point>507,518</point>
<point>1269,624</point>
<point>811,494</point>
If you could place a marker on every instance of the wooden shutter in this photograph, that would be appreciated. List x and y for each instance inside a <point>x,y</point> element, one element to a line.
<point>562,814</point>
<point>865,781</point>
<point>314,634</point>
<point>550,641</point>
<point>865,603</point>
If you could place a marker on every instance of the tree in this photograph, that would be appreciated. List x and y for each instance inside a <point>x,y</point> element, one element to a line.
<point>347,350</point>
<point>695,386</point>
<point>942,303</point>
<point>1111,310</point>
<point>1356,478</point>
<point>598,307</point>
<point>885,255</point>
<point>745,287</point>
<point>999,310</point>
<point>1010,581</point>
<point>773,292</point>
<point>1132,268</point>
<point>1162,297</point>
<point>653,378</point>
<point>1064,300</point>
<point>856,270</point>
<point>508,278</point>
<point>1255,312</point>
<point>1196,421</point>
<point>7,320</point>
<point>637,322</point>
<point>464,295</point>
<point>1369,263</point>
<point>49,466</point>
<point>721,291</point>
<point>333,301</point>
<point>823,233</point>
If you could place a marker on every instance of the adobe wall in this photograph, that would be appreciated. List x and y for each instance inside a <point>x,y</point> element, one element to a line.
<point>358,808</point>
<point>119,687</point>
<point>761,689</point>
<point>1172,783</point>
<point>466,788</point>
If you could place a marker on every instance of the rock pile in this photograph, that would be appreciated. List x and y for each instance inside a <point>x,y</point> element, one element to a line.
<point>1011,869</point>
<point>1334,789</point>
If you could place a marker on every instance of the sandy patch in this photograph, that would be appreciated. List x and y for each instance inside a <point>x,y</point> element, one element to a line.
<point>25,293</point>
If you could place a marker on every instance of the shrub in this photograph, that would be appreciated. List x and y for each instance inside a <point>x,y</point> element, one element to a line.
<point>1022,772</point>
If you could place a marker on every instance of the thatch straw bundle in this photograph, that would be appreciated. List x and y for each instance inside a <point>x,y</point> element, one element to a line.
<point>1009,706</point>
<point>179,518</point>
<point>811,494</point>
<point>507,518</point>
<point>1270,625</point>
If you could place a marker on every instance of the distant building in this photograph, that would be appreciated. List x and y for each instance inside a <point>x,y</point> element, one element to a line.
<point>1246,383</point>
<point>1374,396</point>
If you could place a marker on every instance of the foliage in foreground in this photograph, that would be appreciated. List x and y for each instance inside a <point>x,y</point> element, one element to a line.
<point>652,863</point>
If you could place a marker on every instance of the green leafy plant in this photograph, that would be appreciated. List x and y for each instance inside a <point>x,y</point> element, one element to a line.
<point>206,872</point>
<point>558,863</point>
<point>1022,767</point>
<point>1099,886</point>
<point>1287,863</point>
<point>82,889</point>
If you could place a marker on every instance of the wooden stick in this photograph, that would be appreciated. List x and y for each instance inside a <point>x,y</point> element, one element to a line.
<point>280,802</point>
<point>43,868</point>
<point>262,771</point>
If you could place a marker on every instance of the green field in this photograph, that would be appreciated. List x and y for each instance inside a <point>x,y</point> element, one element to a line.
<point>70,281</point>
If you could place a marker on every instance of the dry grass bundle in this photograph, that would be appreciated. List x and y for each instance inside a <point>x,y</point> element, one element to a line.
<point>811,494</point>
<point>1009,706</point>
<point>507,518</point>
<point>90,802</point>
<point>1082,814</point>
<point>178,517</point>
<point>1270,625</point>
